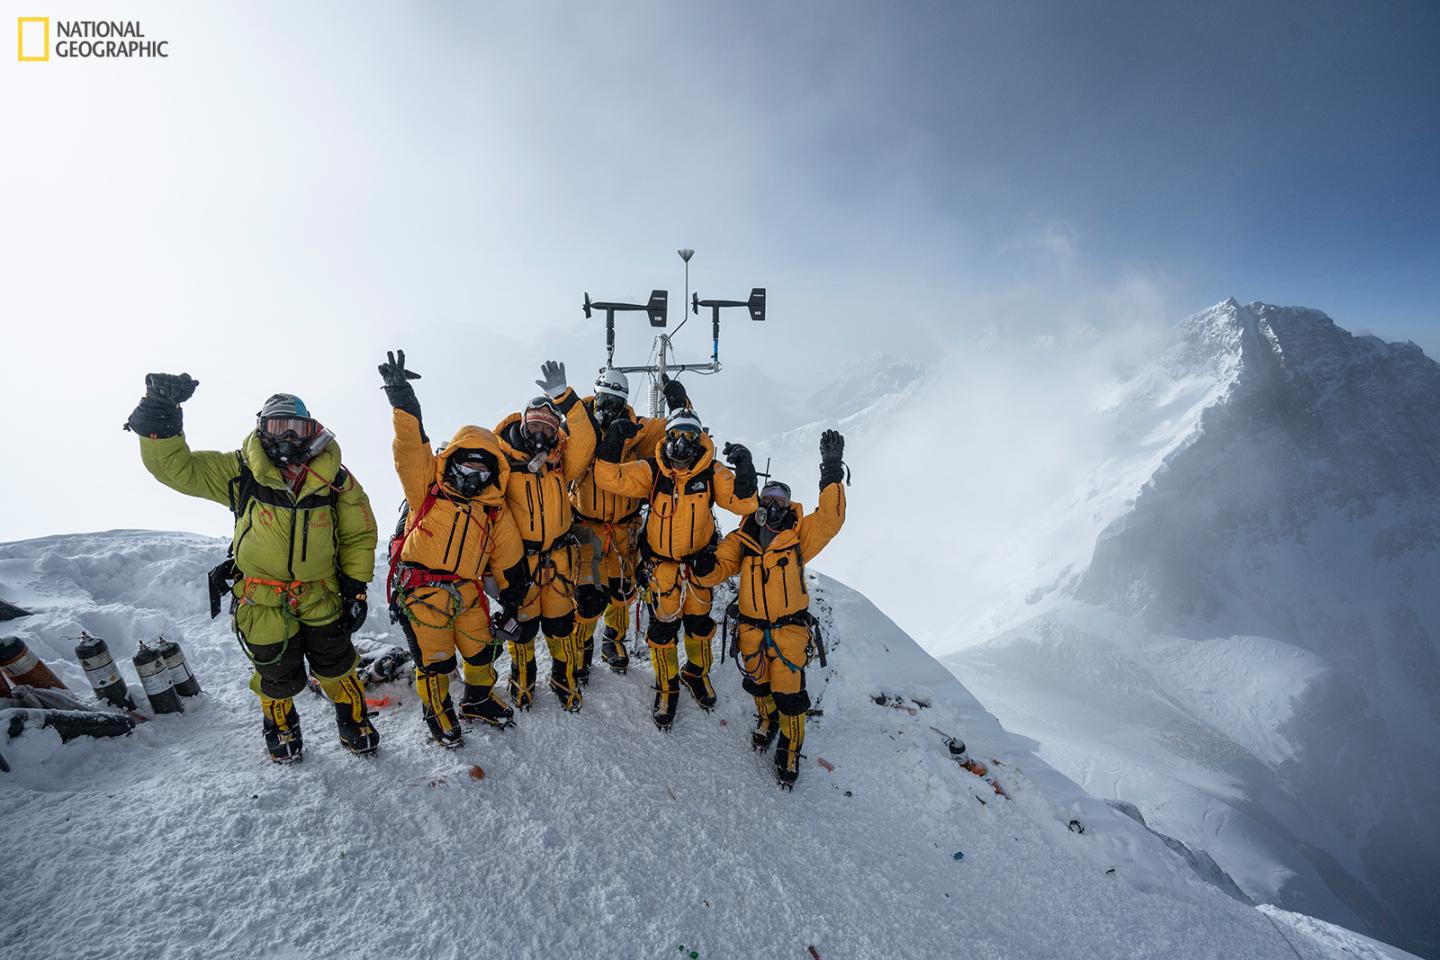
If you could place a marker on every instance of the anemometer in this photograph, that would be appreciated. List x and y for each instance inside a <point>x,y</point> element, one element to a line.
<point>657,310</point>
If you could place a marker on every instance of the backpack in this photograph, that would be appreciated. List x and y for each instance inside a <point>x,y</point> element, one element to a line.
<point>400,537</point>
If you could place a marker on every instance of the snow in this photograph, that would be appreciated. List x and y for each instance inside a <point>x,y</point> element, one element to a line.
<point>1251,654</point>
<point>589,835</point>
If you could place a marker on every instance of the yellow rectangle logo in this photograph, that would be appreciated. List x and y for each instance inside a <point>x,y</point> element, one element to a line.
<point>33,39</point>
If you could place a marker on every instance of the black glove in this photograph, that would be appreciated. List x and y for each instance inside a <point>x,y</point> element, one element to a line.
<point>746,482</point>
<point>512,598</point>
<point>703,563</point>
<point>173,389</point>
<point>397,383</point>
<point>517,584</point>
<point>832,458</point>
<point>158,413</point>
<point>354,606</point>
<point>738,454</point>
<point>613,446</point>
<point>675,396</point>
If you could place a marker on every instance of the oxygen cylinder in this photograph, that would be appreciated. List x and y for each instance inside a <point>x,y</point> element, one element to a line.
<point>155,678</point>
<point>101,671</point>
<point>21,666</point>
<point>180,674</point>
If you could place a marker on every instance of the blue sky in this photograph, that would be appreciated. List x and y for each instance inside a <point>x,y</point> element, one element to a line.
<point>1278,151</point>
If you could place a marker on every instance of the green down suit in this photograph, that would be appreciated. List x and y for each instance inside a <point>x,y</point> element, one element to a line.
<point>290,550</point>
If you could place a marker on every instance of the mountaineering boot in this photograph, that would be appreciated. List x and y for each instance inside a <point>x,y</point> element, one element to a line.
<point>563,682</point>
<point>282,730</point>
<point>580,649</point>
<point>352,719</point>
<point>612,637</point>
<point>667,684</point>
<point>478,703</point>
<point>767,723</point>
<point>787,750</point>
<point>522,674</point>
<point>436,708</point>
<point>699,686</point>
<point>667,698</point>
<point>587,656</point>
<point>612,650</point>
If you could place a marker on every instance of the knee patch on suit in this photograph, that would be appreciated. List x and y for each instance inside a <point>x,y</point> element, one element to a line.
<point>558,626</point>
<point>441,667</point>
<point>623,591</point>
<point>664,631</point>
<point>528,629</point>
<point>755,689</point>
<point>591,601</point>
<point>792,704</point>
<point>699,624</point>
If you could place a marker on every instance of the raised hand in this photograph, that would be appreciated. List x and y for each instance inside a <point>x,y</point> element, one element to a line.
<point>675,396</point>
<point>737,454</point>
<point>552,378</point>
<point>393,371</point>
<point>746,480</point>
<point>832,456</point>
<point>170,388</point>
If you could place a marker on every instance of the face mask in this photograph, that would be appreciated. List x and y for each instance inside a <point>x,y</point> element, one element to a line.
<point>774,505</point>
<point>289,448</point>
<point>608,407</point>
<point>682,448</point>
<point>468,478</point>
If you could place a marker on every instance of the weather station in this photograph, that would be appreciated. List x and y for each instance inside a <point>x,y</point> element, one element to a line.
<point>660,364</point>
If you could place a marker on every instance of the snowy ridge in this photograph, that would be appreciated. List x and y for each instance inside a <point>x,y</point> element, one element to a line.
<point>589,834</point>
<point>1260,623</point>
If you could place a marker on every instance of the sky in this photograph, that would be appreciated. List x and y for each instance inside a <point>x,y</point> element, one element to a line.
<point>298,188</point>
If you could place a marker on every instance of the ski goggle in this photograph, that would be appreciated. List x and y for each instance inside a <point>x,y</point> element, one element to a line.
<point>683,430</point>
<point>775,493</point>
<point>299,427</point>
<point>540,423</point>
<point>473,468</point>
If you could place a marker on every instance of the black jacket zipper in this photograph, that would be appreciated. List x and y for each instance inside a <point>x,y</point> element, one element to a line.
<point>464,535</point>
<point>764,579</point>
<point>454,519</point>
<point>290,554</point>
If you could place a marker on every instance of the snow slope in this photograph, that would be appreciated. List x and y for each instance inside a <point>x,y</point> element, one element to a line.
<point>1250,653</point>
<point>589,835</point>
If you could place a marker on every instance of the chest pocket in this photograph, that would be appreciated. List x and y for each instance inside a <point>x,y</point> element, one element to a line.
<point>284,520</point>
<point>543,509</point>
<point>667,501</point>
<point>775,582</point>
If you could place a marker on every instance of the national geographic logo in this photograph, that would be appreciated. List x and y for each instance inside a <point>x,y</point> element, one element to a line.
<point>86,40</point>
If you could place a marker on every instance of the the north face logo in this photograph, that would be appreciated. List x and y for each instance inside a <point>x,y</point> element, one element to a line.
<point>696,486</point>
